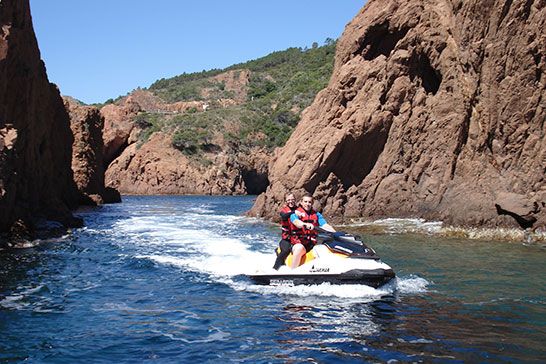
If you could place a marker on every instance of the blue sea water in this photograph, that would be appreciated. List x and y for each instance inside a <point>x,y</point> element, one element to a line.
<point>161,279</point>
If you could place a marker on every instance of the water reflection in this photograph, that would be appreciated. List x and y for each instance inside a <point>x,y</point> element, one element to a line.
<point>407,328</point>
<point>324,328</point>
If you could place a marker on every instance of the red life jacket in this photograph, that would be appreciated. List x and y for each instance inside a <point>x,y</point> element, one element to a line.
<point>285,222</point>
<point>304,236</point>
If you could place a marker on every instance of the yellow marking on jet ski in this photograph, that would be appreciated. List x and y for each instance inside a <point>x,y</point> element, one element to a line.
<point>309,256</point>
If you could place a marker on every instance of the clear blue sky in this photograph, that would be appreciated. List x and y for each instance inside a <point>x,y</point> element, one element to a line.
<point>96,50</point>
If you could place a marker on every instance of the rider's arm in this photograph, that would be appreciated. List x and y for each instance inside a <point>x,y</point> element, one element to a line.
<point>323,224</point>
<point>299,224</point>
<point>285,215</point>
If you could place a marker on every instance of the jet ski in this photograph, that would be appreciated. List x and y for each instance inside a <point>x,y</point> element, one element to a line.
<point>337,258</point>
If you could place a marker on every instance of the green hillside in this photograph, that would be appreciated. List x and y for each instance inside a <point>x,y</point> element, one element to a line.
<point>281,85</point>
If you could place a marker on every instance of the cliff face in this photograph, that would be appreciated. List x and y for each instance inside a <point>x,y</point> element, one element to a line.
<point>87,124</point>
<point>158,168</point>
<point>118,127</point>
<point>35,137</point>
<point>435,109</point>
<point>154,166</point>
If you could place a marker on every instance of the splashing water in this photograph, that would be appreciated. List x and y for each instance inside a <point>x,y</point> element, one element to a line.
<point>222,255</point>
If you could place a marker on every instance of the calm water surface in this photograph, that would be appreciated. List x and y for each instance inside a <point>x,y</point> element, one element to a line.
<point>160,279</point>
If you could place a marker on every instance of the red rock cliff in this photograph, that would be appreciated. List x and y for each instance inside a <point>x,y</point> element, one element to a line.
<point>87,123</point>
<point>435,109</point>
<point>35,137</point>
<point>156,167</point>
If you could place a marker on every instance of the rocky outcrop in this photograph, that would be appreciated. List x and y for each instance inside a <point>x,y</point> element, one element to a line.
<point>235,81</point>
<point>35,137</point>
<point>525,211</point>
<point>120,130</point>
<point>434,109</point>
<point>118,127</point>
<point>87,123</point>
<point>155,167</point>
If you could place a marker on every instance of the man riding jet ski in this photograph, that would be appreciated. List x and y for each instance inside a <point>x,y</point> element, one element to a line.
<point>327,257</point>
<point>303,221</point>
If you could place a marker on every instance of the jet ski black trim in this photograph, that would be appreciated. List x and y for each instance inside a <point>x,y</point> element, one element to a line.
<point>352,248</point>
<point>343,243</point>
<point>373,278</point>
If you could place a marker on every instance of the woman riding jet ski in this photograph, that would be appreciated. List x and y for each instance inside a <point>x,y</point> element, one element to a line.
<point>335,257</point>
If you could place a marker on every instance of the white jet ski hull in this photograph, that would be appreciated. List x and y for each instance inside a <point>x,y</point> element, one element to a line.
<point>359,266</point>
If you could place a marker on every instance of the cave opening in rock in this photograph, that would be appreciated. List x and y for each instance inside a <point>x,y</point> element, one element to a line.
<point>255,182</point>
<point>421,68</point>
<point>380,40</point>
<point>358,156</point>
<point>114,154</point>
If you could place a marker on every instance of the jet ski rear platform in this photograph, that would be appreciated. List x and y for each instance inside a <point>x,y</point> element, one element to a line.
<point>338,258</point>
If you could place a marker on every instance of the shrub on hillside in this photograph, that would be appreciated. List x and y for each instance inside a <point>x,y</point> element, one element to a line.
<point>190,141</point>
<point>281,85</point>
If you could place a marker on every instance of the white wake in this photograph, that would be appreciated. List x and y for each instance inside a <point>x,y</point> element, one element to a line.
<point>223,248</point>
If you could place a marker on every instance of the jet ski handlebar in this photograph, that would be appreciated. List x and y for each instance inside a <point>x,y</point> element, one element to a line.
<point>320,230</point>
<point>331,234</point>
<point>344,243</point>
